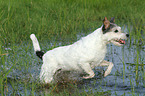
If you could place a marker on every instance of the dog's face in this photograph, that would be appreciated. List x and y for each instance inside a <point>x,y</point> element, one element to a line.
<point>112,33</point>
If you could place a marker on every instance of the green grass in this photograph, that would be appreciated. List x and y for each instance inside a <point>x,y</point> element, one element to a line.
<point>58,20</point>
<point>63,18</point>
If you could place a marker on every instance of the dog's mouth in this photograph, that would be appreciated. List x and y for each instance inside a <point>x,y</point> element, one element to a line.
<point>120,41</point>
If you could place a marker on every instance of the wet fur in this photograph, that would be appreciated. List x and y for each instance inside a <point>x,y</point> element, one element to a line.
<point>83,55</point>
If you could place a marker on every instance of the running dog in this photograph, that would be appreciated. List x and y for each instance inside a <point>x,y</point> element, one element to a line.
<point>83,55</point>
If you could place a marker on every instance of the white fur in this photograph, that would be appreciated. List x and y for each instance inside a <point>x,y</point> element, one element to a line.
<point>35,42</point>
<point>82,56</point>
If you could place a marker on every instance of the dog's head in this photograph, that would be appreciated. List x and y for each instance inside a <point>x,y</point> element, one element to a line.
<point>112,32</point>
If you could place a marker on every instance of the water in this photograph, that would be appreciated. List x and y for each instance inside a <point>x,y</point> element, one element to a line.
<point>118,83</point>
<point>121,81</point>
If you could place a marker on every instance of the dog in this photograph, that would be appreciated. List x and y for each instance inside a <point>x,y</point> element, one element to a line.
<point>83,55</point>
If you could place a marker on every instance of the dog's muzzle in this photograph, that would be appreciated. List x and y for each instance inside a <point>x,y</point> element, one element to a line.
<point>121,41</point>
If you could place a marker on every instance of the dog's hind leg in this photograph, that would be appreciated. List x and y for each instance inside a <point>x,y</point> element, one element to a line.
<point>47,72</point>
<point>87,68</point>
<point>110,66</point>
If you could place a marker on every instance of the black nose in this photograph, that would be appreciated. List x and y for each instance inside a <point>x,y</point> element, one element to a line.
<point>127,35</point>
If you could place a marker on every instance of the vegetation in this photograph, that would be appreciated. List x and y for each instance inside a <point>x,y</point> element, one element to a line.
<point>55,21</point>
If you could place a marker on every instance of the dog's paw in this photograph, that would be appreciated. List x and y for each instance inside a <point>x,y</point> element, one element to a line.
<point>106,73</point>
<point>90,76</point>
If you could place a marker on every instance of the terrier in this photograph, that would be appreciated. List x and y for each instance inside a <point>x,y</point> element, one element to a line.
<point>83,55</point>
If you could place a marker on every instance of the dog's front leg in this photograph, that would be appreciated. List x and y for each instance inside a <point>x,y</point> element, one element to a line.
<point>110,66</point>
<point>87,68</point>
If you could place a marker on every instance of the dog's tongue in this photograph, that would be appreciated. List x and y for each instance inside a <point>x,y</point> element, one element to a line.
<point>122,41</point>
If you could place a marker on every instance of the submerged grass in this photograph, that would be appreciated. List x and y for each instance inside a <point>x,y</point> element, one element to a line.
<point>58,20</point>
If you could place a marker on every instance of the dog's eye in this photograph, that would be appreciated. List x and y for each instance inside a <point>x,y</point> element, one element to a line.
<point>116,31</point>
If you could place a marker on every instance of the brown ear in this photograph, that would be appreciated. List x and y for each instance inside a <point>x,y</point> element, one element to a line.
<point>112,20</point>
<point>106,23</point>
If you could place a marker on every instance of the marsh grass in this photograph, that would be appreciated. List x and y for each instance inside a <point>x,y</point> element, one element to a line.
<point>59,21</point>
<point>63,18</point>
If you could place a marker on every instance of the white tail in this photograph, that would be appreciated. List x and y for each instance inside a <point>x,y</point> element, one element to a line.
<point>35,43</point>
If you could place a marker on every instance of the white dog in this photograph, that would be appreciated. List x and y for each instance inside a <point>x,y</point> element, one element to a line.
<point>82,55</point>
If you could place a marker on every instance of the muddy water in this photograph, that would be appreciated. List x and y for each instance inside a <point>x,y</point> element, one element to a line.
<point>124,79</point>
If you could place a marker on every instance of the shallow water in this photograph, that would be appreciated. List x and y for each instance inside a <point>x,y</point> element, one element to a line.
<point>124,59</point>
<point>122,79</point>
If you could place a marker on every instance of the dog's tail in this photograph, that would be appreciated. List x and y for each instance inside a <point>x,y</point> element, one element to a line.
<point>37,49</point>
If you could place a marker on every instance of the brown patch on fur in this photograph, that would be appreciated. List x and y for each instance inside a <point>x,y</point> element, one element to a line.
<point>106,23</point>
